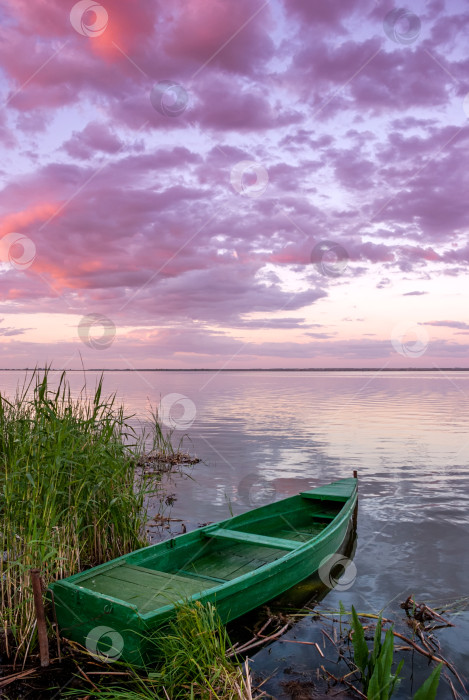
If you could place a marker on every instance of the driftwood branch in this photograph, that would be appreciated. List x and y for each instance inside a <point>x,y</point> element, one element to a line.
<point>422,612</point>
<point>86,677</point>
<point>342,680</point>
<point>17,676</point>
<point>256,641</point>
<point>430,656</point>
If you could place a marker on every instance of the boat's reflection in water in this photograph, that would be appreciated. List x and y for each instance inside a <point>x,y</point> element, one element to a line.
<point>304,595</point>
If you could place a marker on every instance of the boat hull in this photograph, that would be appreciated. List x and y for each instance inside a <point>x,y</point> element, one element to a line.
<point>237,565</point>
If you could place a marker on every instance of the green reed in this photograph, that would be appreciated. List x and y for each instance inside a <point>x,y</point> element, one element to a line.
<point>190,662</point>
<point>71,493</point>
<point>193,649</point>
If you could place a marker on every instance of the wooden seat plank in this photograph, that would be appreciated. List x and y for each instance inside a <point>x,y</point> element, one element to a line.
<point>233,560</point>
<point>323,495</point>
<point>202,576</point>
<point>248,538</point>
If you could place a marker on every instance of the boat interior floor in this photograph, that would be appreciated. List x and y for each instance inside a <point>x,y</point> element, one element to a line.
<point>218,559</point>
<point>145,588</point>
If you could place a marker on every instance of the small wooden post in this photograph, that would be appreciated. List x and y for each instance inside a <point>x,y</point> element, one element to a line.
<point>355,474</point>
<point>40,617</point>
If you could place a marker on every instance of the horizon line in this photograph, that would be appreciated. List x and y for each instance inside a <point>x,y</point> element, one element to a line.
<point>245,369</point>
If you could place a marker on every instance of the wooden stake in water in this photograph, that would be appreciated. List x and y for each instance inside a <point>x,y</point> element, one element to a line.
<point>40,617</point>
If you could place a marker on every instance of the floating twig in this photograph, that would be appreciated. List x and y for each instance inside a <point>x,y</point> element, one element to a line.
<point>258,640</point>
<point>16,677</point>
<point>456,695</point>
<point>86,677</point>
<point>430,656</point>
<point>108,673</point>
<point>422,612</point>
<point>342,680</point>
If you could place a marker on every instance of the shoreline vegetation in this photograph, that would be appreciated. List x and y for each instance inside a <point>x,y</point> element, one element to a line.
<point>75,479</point>
<point>379,370</point>
<point>75,483</point>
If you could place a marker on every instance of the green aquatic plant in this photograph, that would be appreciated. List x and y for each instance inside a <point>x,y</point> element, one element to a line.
<point>375,665</point>
<point>429,689</point>
<point>162,441</point>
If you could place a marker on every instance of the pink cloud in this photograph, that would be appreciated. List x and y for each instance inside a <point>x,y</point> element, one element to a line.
<point>94,137</point>
<point>201,28</point>
<point>330,14</point>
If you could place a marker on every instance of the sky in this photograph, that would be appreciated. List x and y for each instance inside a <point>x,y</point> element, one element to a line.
<point>234,184</point>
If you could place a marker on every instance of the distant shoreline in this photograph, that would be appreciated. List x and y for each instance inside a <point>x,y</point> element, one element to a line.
<point>247,369</point>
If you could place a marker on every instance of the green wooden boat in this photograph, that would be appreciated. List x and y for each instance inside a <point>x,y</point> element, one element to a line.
<point>237,564</point>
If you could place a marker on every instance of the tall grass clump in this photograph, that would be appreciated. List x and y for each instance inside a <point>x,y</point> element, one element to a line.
<point>193,650</point>
<point>191,663</point>
<point>70,493</point>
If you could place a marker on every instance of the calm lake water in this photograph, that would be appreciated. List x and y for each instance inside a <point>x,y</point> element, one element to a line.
<point>264,435</point>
